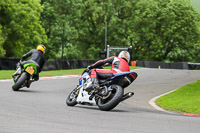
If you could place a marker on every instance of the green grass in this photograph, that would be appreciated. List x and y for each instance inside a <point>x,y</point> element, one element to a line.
<point>184,100</point>
<point>6,74</point>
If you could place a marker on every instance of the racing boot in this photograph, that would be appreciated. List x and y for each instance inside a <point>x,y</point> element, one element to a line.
<point>93,85</point>
<point>18,72</point>
<point>29,83</point>
<point>36,77</point>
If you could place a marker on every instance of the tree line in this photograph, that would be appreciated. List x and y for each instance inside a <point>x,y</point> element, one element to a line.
<point>158,30</point>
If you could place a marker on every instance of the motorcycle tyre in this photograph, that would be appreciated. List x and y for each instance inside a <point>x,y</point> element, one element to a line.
<point>114,101</point>
<point>70,102</point>
<point>20,81</point>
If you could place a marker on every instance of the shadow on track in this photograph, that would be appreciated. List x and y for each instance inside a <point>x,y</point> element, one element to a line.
<point>30,91</point>
<point>96,108</point>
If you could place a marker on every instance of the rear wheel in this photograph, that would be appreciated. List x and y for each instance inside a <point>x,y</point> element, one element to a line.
<point>20,81</point>
<point>71,99</point>
<point>113,100</point>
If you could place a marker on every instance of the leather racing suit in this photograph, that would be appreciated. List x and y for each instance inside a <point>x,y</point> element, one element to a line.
<point>118,65</point>
<point>37,57</point>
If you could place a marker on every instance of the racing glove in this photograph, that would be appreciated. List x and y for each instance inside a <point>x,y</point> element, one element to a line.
<point>90,67</point>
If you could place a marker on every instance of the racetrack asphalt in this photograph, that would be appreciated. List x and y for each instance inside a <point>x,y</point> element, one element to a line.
<point>42,108</point>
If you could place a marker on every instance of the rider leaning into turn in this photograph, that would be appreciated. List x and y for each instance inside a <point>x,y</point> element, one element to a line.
<point>37,57</point>
<point>119,64</point>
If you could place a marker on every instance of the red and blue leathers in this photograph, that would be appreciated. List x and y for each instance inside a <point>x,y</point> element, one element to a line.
<point>118,65</point>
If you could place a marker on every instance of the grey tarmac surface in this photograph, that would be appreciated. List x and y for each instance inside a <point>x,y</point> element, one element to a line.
<point>42,109</point>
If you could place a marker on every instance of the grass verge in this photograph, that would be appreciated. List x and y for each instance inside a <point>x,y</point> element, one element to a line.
<point>183,100</point>
<point>6,74</point>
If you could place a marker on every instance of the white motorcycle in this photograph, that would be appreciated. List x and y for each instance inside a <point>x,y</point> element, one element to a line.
<point>108,96</point>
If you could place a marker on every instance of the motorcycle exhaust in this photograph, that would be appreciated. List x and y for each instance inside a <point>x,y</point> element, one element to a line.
<point>127,95</point>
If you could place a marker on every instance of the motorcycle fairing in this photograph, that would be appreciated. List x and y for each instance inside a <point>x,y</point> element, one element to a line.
<point>31,64</point>
<point>121,74</point>
<point>128,78</point>
<point>84,96</point>
<point>83,78</point>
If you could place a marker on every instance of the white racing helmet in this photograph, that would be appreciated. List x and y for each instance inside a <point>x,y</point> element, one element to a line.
<point>125,55</point>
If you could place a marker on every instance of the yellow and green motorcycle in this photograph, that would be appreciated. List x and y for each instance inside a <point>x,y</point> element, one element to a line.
<point>25,76</point>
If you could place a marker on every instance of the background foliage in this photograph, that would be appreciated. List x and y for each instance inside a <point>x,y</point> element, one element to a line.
<point>21,26</point>
<point>75,29</point>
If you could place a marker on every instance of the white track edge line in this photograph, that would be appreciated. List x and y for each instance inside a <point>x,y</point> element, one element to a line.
<point>152,102</point>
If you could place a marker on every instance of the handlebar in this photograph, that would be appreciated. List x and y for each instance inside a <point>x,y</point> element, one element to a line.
<point>86,70</point>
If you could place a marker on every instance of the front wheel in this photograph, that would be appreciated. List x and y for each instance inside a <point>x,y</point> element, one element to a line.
<point>71,99</point>
<point>113,100</point>
<point>20,81</point>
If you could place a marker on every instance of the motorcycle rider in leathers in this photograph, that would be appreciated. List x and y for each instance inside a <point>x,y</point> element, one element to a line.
<point>37,57</point>
<point>119,64</point>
